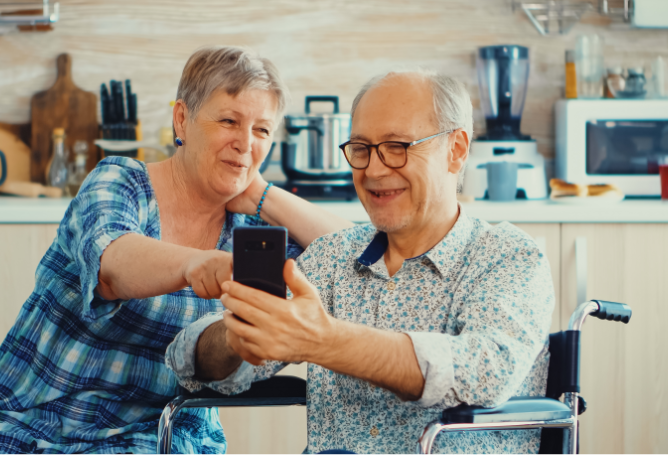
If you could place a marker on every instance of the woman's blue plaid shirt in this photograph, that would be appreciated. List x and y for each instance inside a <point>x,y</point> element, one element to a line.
<point>81,374</point>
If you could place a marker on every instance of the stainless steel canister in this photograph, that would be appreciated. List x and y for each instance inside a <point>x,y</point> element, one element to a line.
<point>311,151</point>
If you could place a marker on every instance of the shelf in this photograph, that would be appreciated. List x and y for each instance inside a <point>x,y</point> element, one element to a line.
<point>552,14</point>
<point>28,16</point>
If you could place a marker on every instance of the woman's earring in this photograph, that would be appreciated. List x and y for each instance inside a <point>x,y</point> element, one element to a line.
<point>179,141</point>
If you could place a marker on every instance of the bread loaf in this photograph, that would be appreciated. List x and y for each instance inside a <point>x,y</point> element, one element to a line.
<point>560,188</point>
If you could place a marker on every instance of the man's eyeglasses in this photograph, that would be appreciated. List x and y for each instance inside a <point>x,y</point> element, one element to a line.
<point>392,153</point>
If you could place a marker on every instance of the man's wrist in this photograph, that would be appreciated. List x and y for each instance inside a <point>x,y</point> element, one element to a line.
<point>326,349</point>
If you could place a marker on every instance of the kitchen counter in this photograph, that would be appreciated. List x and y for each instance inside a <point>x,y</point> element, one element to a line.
<point>15,210</point>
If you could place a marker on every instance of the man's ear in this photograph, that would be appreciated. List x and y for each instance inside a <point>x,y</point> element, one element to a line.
<point>179,118</point>
<point>459,151</point>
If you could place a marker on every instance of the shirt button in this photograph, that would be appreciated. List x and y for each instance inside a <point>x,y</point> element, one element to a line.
<point>374,432</point>
<point>391,285</point>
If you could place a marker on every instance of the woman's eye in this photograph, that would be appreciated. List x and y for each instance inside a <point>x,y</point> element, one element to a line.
<point>264,131</point>
<point>228,121</point>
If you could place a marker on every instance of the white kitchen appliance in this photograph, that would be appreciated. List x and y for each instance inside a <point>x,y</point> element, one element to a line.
<point>502,73</point>
<point>650,13</point>
<point>616,141</point>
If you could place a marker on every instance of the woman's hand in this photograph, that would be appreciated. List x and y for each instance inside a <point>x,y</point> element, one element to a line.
<point>206,271</point>
<point>247,202</point>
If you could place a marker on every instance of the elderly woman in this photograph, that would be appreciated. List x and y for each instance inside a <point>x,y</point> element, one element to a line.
<point>139,255</point>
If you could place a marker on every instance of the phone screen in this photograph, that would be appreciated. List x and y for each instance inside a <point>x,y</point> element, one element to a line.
<point>258,257</point>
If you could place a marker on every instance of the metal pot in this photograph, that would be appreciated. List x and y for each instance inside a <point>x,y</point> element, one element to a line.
<point>311,152</point>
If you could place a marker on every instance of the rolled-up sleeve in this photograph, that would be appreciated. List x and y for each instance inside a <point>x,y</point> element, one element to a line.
<point>110,204</point>
<point>433,352</point>
<point>180,358</point>
<point>502,313</point>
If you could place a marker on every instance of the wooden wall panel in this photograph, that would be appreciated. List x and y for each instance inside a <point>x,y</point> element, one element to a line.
<point>324,47</point>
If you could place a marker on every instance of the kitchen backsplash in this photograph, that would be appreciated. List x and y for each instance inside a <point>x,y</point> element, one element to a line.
<point>326,47</point>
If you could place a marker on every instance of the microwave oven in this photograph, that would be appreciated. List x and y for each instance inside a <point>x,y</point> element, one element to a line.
<point>615,141</point>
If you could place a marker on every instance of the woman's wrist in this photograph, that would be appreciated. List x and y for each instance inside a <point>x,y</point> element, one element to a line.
<point>262,199</point>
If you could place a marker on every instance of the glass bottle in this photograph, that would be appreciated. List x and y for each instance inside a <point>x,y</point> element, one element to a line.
<point>57,175</point>
<point>78,169</point>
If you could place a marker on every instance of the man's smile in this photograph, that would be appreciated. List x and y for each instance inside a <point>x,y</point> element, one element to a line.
<point>386,194</point>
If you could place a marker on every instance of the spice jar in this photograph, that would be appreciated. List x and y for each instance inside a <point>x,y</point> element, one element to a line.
<point>636,81</point>
<point>615,82</point>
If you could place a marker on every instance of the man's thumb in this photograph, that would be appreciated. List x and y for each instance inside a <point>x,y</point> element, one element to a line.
<point>296,281</point>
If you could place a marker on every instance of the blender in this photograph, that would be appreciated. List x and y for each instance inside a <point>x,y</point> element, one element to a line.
<point>502,73</point>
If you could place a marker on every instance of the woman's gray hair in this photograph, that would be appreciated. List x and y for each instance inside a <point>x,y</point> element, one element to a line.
<point>452,105</point>
<point>231,69</point>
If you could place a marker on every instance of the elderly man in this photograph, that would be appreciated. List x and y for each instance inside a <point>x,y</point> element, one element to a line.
<point>424,309</point>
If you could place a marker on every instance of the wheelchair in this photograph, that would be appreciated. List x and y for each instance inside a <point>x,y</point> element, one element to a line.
<point>557,419</point>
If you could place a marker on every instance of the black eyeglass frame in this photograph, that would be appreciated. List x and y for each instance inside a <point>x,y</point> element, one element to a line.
<point>369,147</point>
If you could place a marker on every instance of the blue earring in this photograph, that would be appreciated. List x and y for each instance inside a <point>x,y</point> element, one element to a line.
<point>179,141</point>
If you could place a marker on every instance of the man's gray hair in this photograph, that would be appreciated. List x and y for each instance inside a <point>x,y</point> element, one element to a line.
<point>452,105</point>
<point>231,69</point>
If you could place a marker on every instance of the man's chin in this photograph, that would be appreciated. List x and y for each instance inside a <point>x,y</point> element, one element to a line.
<point>389,224</point>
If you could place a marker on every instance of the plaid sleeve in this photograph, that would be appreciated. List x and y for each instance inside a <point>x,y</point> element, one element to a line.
<point>109,204</point>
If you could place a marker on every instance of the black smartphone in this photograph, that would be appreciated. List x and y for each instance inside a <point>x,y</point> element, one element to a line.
<point>258,257</point>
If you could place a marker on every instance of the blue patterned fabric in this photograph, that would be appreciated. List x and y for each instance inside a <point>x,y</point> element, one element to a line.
<point>477,307</point>
<point>81,374</point>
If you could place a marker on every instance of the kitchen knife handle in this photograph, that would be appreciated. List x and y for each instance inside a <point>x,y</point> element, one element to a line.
<point>321,98</point>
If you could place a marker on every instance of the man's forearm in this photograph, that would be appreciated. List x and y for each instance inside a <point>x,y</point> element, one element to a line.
<point>214,359</point>
<point>385,359</point>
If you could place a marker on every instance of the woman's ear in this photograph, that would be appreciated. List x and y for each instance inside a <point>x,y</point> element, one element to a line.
<point>180,118</point>
<point>459,151</point>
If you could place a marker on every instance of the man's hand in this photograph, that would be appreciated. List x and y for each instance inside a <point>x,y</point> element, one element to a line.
<point>205,270</point>
<point>277,329</point>
<point>247,202</point>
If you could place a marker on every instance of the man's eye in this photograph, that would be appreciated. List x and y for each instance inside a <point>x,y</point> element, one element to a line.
<point>264,131</point>
<point>228,121</point>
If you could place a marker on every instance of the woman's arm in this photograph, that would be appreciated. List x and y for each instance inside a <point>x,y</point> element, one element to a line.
<point>305,221</point>
<point>136,267</point>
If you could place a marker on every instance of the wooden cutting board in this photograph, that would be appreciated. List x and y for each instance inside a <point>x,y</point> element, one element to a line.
<point>62,106</point>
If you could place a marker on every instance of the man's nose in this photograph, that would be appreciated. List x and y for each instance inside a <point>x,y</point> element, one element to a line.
<point>376,168</point>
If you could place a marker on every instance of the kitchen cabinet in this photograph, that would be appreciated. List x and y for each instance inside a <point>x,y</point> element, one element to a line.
<point>623,367</point>
<point>21,248</point>
<point>548,239</point>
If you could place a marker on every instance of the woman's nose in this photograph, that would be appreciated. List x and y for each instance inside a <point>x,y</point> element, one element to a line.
<point>244,141</point>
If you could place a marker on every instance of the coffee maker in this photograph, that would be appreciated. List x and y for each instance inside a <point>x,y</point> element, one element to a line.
<point>502,73</point>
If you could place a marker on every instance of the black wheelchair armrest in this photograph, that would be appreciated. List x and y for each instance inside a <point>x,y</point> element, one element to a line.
<point>275,391</point>
<point>516,409</point>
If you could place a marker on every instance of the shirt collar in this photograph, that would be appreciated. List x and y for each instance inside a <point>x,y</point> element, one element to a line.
<point>449,249</point>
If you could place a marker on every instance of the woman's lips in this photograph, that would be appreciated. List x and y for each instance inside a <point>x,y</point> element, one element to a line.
<point>235,165</point>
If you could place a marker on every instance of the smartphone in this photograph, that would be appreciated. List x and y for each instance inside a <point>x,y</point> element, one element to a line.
<point>258,257</point>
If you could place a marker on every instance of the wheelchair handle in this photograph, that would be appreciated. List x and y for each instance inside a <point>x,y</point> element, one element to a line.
<point>612,311</point>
